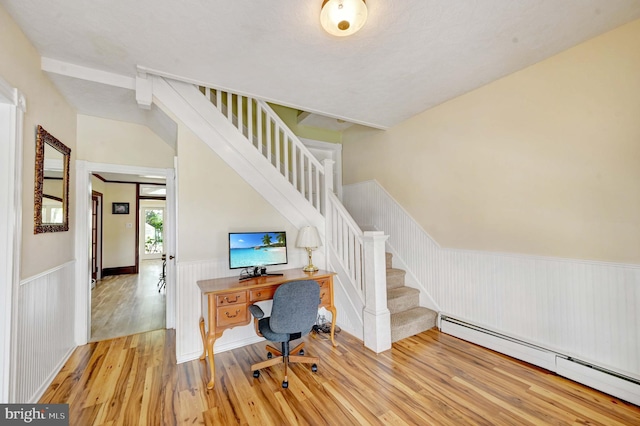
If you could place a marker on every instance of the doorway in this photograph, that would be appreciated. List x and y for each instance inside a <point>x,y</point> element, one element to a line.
<point>96,236</point>
<point>83,228</point>
<point>151,229</point>
<point>126,296</point>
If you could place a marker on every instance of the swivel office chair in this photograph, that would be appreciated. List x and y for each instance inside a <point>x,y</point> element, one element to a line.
<point>294,312</point>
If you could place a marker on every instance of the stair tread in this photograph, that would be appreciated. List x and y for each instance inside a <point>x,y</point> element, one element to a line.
<point>395,278</point>
<point>393,293</point>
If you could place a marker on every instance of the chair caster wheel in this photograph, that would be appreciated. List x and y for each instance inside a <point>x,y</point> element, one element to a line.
<point>301,353</point>
<point>314,368</point>
<point>269,355</point>
<point>256,374</point>
<point>285,385</point>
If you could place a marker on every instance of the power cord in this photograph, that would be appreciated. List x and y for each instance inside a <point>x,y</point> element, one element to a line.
<point>323,327</point>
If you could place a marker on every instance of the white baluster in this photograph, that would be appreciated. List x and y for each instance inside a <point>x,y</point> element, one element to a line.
<point>277,147</point>
<point>239,100</point>
<point>294,166</point>
<point>268,138</point>
<point>250,120</point>
<point>286,156</point>
<point>303,174</point>
<point>259,128</point>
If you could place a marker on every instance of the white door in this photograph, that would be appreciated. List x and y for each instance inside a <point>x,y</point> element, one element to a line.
<point>152,229</point>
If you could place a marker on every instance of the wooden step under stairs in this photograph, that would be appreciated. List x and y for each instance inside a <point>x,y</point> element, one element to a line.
<point>408,318</point>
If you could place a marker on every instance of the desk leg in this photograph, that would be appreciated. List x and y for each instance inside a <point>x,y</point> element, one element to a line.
<point>334,317</point>
<point>204,342</point>
<point>211,338</point>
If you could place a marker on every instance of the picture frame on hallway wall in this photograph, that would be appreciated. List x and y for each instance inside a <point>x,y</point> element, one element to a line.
<point>119,208</point>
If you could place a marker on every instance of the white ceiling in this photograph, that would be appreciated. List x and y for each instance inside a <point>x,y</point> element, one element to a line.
<point>410,56</point>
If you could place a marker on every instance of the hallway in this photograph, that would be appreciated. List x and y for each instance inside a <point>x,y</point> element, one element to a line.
<point>122,305</point>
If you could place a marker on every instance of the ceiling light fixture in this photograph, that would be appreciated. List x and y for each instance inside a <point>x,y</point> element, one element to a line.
<point>343,17</point>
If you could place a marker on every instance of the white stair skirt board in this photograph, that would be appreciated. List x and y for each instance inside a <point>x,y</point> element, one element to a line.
<point>612,383</point>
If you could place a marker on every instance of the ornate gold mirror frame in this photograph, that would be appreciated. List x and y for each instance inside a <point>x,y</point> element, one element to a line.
<point>51,196</point>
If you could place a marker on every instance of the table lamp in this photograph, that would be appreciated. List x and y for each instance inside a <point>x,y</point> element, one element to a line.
<point>309,239</point>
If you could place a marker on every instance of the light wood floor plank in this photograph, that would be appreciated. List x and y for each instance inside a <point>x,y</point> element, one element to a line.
<point>431,379</point>
<point>123,305</point>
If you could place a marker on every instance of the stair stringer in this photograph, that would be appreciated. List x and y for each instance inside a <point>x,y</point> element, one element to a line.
<point>412,281</point>
<point>186,102</point>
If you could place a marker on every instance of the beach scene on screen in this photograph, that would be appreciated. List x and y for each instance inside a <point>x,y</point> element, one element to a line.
<point>257,249</point>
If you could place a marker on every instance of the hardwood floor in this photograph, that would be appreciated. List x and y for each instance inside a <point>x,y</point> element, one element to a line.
<point>128,304</point>
<point>428,379</point>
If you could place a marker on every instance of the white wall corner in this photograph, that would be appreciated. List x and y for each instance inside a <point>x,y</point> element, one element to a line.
<point>144,91</point>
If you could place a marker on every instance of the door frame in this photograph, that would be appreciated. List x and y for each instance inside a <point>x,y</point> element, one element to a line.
<point>13,106</point>
<point>99,196</point>
<point>334,151</point>
<point>84,170</point>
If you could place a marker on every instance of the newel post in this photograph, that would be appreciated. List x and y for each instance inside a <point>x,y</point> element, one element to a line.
<point>377,318</point>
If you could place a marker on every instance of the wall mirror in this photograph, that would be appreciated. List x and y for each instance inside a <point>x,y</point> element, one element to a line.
<point>51,197</point>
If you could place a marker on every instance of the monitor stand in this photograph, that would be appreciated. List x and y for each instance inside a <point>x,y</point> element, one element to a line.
<point>255,272</point>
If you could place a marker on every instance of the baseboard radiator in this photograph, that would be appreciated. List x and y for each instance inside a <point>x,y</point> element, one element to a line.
<point>602,379</point>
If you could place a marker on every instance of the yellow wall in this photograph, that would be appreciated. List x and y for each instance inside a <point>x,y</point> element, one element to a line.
<point>214,200</point>
<point>119,230</point>
<point>544,161</point>
<point>290,118</point>
<point>102,140</point>
<point>118,238</point>
<point>20,67</point>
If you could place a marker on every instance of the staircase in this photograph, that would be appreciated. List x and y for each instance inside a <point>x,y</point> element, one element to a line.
<point>407,316</point>
<point>250,137</point>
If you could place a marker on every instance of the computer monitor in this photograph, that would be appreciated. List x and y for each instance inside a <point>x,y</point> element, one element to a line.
<point>254,249</point>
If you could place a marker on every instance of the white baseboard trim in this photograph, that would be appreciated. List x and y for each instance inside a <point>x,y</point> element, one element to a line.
<point>610,382</point>
<point>219,348</point>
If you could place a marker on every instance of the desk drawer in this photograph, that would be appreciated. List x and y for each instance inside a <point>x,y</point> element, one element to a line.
<point>231,315</point>
<point>323,283</point>
<point>231,298</point>
<point>325,291</point>
<point>325,296</point>
<point>259,294</point>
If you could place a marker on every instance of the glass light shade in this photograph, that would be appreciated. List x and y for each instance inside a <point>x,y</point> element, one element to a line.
<point>308,237</point>
<point>343,17</point>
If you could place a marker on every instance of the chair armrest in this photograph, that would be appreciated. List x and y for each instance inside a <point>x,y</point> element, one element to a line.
<point>256,311</point>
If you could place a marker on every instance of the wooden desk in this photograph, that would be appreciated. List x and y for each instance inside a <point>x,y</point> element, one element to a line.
<point>228,300</point>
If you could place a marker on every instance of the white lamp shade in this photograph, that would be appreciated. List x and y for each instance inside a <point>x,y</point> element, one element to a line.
<point>308,237</point>
<point>343,17</point>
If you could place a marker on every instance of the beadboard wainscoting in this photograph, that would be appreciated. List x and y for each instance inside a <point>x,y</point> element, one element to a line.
<point>189,309</point>
<point>44,331</point>
<point>189,306</point>
<point>581,309</point>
